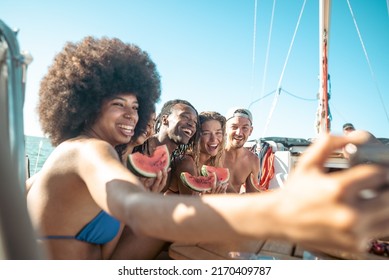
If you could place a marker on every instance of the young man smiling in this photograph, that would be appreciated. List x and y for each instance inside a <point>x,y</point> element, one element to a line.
<point>176,126</point>
<point>239,160</point>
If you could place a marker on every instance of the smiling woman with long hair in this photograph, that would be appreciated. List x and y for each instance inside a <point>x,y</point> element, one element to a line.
<point>208,149</point>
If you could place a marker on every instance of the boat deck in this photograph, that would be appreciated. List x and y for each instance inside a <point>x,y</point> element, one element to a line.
<point>259,250</point>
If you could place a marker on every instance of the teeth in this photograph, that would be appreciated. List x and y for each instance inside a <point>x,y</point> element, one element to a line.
<point>187,131</point>
<point>126,127</point>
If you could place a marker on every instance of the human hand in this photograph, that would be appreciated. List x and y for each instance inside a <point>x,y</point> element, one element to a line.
<point>155,184</point>
<point>329,210</point>
<point>362,137</point>
<point>218,188</point>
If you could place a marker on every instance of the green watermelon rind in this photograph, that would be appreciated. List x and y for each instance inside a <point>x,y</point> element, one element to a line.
<point>185,177</point>
<point>204,172</point>
<point>160,154</point>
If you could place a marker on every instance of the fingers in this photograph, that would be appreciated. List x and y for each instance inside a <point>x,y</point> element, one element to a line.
<point>220,188</point>
<point>364,176</point>
<point>373,222</point>
<point>367,191</point>
<point>223,187</point>
<point>164,175</point>
<point>380,229</point>
<point>362,184</point>
<point>317,154</point>
<point>158,183</point>
<point>359,137</point>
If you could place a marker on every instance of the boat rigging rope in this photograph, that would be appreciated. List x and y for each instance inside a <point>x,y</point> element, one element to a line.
<point>268,49</point>
<point>287,92</point>
<point>368,61</point>
<point>262,97</point>
<point>254,48</point>
<point>275,100</point>
<point>266,59</point>
<point>298,97</point>
<point>338,112</point>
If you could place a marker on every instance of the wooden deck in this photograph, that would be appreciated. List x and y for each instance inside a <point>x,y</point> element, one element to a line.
<point>266,250</point>
<point>241,250</point>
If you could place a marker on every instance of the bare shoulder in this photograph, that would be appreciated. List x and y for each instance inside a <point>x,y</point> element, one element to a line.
<point>30,181</point>
<point>185,160</point>
<point>253,157</point>
<point>90,149</point>
<point>95,162</point>
<point>81,143</point>
<point>66,164</point>
<point>73,153</point>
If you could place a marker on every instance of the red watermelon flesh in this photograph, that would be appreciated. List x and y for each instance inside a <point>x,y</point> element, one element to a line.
<point>198,183</point>
<point>149,166</point>
<point>222,174</point>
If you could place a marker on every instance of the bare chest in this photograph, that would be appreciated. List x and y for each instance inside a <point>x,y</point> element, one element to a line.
<point>239,172</point>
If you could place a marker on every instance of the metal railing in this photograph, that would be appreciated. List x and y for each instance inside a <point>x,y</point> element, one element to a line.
<point>17,238</point>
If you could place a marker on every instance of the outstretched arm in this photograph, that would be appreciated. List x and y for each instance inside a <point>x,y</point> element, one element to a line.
<point>315,208</point>
<point>327,209</point>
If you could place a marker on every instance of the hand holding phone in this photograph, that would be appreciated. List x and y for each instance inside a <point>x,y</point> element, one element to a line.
<point>368,154</point>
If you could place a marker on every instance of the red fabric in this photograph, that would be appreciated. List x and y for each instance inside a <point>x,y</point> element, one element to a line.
<point>267,170</point>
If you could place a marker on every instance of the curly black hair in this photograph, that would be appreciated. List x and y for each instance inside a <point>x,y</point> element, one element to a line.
<point>89,72</point>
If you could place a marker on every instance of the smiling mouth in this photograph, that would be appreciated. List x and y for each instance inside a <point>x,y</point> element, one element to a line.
<point>188,132</point>
<point>127,130</point>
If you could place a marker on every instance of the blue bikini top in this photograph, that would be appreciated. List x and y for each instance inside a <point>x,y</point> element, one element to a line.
<point>102,229</point>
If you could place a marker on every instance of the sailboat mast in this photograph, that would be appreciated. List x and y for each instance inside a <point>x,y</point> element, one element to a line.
<point>324,124</point>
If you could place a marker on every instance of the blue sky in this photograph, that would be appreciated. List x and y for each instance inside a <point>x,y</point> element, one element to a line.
<point>204,50</point>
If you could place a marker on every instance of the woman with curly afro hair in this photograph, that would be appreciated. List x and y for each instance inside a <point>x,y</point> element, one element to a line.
<point>86,74</point>
<point>98,94</point>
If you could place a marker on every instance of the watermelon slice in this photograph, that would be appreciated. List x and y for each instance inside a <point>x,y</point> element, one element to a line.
<point>254,182</point>
<point>222,174</point>
<point>198,183</point>
<point>148,166</point>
